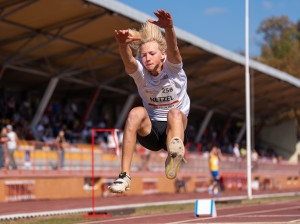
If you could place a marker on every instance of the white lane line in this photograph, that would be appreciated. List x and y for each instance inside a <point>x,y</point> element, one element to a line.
<point>239,214</point>
<point>176,213</point>
<point>243,216</point>
<point>255,205</point>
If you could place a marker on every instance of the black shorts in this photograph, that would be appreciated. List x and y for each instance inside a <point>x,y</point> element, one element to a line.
<point>157,138</point>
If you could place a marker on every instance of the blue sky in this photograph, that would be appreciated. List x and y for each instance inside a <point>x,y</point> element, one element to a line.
<point>221,22</point>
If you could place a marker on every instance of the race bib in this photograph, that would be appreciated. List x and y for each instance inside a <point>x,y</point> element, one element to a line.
<point>161,97</point>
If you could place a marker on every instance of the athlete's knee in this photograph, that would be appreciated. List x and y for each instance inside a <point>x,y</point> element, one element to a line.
<point>136,115</point>
<point>175,114</point>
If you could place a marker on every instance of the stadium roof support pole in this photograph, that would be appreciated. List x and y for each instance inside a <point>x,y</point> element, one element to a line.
<point>204,125</point>
<point>247,84</point>
<point>44,102</point>
<point>89,108</point>
<point>241,134</point>
<point>127,106</point>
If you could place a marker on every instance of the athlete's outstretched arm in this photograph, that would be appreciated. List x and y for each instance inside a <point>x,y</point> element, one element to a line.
<point>123,38</point>
<point>165,21</point>
<point>220,154</point>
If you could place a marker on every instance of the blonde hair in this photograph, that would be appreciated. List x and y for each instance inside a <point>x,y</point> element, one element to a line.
<point>148,32</point>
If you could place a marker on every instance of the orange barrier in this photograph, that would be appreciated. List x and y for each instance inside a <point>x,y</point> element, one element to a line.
<point>149,186</point>
<point>201,184</point>
<point>19,190</point>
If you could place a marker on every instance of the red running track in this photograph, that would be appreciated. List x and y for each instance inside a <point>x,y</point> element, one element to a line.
<point>274,212</point>
<point>281,212</point>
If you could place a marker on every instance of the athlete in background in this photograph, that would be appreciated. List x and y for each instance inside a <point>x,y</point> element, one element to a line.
<point>215,156</point>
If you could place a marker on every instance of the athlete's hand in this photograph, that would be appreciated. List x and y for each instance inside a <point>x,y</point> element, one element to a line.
<point>123,37</point>
<point>164,19</point>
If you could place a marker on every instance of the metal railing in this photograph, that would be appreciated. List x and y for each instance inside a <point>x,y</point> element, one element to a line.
<point>39,156</point>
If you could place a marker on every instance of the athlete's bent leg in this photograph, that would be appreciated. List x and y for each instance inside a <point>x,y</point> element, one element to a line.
<point>177,123</point>
<point>139,122</point>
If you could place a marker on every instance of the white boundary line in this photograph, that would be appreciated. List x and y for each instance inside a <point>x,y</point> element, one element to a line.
<point>240,214</point>
<point>138,205</point>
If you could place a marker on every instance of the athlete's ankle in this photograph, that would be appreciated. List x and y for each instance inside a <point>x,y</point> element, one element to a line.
<point>124,174</point>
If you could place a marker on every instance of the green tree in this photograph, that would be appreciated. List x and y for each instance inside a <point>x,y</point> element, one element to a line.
<point>281,47</point>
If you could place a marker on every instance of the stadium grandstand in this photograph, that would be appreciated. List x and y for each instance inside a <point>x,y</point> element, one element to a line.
<point>61,70</point>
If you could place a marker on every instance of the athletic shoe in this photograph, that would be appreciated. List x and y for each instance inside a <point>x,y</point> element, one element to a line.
<point>121,184</point>
<point>175,156</point>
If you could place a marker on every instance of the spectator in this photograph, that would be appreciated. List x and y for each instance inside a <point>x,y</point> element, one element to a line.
<point>3,141</point>
<point>26,110</point>
<point>112,140</point>
<point>12,146</point>
<point>102,124</point>
<point>40,131</point>
<point>229,149</point>
<point>243,152</point>
<point>85,134</point>
<point>180,183</point>
<point>48,137</point>
<point>56,128</point>
<point>254,158</point>
<point>274,159</point>
<point>236,151</point>
<point>101,142</point>
<point>61,141</point>
<point>56,107</point>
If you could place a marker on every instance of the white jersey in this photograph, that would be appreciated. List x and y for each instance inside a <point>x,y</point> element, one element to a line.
<point>11,144</point>
<point>163,92</point>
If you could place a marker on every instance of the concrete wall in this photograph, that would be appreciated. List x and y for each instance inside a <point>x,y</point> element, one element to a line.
<point>75,187</point>
<point>295,158</point>
<point>282,137</point>
<point>41,188</point>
